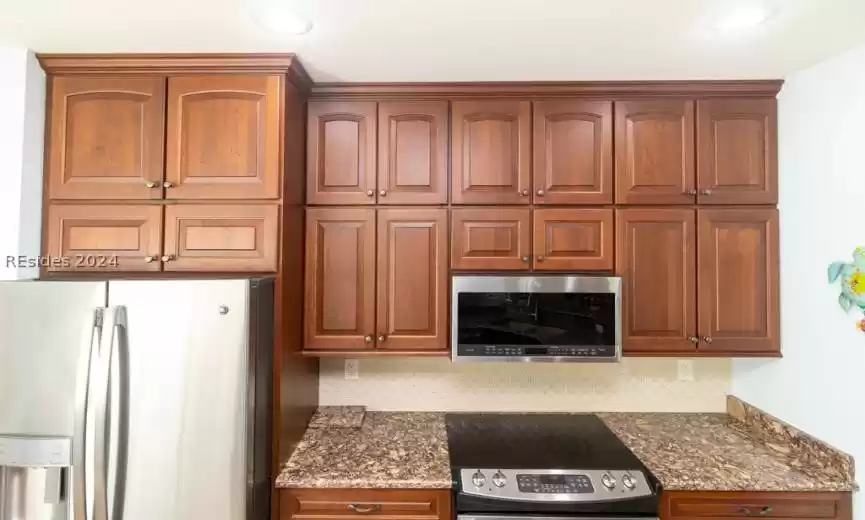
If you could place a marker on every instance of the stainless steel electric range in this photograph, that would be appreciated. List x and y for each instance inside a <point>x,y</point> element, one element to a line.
<point>545,466</point>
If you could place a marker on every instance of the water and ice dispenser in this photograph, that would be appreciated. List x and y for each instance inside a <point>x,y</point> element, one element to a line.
<point>35,477</point>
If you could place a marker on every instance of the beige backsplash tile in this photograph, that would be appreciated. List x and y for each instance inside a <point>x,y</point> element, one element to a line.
<point>420,384</point>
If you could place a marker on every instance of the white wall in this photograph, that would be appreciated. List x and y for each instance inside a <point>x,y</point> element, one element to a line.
<point>819,385</point>
<point>22,105</point>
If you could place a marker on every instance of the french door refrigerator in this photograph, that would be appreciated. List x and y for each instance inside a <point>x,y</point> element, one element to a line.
<point>135,400</point>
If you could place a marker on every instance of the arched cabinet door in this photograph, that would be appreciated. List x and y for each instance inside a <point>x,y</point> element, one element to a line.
<point>223,135</point>
<point>105,138</point>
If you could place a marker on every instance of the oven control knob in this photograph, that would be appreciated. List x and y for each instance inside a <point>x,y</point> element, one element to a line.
<point>629,482</point>
<point>608,481</point>
<point>499,479</point>
<point>478,478</point>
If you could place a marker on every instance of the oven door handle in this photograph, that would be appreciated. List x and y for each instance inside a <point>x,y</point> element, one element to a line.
<point>564,516</point>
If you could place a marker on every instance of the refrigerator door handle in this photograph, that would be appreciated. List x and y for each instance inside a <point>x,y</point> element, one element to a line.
<point>118,416</point>
<point>100,402</point>
<point>85,379</point>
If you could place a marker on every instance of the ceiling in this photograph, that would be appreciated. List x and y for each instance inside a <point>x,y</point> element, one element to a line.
<point>459,40</point>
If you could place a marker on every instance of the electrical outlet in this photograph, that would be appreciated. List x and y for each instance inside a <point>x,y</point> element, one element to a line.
<point>686,370</point>
<point>352,369</point>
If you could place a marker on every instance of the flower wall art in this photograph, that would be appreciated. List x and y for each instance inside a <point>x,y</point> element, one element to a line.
<point>851,277</point>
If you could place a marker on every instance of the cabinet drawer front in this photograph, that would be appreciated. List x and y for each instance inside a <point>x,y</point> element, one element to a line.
<point>573,239</point>
<point>753,506</point>
<point>490,239</point>
<point>369,502</point>
<point>221,238</point>
<point>103,238</point>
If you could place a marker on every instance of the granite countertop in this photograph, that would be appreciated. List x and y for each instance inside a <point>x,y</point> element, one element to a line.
<point>388,450</point>
<point>747,451</point>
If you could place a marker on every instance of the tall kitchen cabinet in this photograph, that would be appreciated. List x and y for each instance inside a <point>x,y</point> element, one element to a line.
<point>171,163</point>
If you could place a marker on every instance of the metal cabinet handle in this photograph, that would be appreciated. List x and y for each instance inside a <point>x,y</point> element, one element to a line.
<point>150,184</point>
<point>382,193</point>
<point>694,339</point>
<point>765,510</point>
<point>706,192</point>
<point>692,192</point>
<point>540,193</point>
<point>382,338</point>
<point>540,258</point>
<point>149,259</point>
<point>167,185</point>
<point>357,508</point>
<point>707,339</point>
<point>524,193</point>
<point>370,193</point>
<point>167,258</point>
<point>367,339</point>
<point>527,259</point>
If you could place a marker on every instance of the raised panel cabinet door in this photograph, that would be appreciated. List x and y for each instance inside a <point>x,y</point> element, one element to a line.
<point>105,138</point>
<point>491,238</point>
<point>655,152</point>
<point>104,238</point>
<point>738,276</point>
<point>491,152</point>
<point>737,151</point>
<point>340,279</point>
<point>412,279</point>
<point>223,137</point>
<point>412,152</point>
<point>656,258</point>
<point>575,239</point>
<point>573,152</point>
<point>341,152</point>
<point>221,237</point>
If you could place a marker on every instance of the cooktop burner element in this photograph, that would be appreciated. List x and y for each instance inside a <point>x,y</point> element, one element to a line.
<point>545,463</point>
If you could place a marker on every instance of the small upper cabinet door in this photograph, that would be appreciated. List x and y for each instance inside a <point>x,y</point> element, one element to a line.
<point>738,269</point>
<point>223,137</point>
<point>105,138</point>
<point>104,238</point>
<point>341,153</point>
<point>340,279</point>
<point>490,238</point>
<point>573,239</point>
<point>412,279</point>
<point>656,258</point>
<point>221,238</point>
<point>737,151</point>
<point>491,152</point>
<point>412,152</point>
<point>655,152</point>
<point>573,152</point>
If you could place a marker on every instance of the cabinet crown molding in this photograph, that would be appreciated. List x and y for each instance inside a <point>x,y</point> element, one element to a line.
<point>177,64</point>
<point>589,89</point>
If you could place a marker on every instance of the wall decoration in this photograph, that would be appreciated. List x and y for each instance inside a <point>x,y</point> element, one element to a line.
<point>851,277</point>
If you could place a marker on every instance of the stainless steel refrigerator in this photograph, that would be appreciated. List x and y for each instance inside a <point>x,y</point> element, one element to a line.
<point>136,400</point>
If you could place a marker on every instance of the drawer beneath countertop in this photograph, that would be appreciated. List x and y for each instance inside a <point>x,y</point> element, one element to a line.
<point>303,504</point>
<point>717,504</point>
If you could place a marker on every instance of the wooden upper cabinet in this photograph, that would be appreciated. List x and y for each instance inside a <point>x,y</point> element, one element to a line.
<point>655,152</point>
<point>490,238</point>
<point>656,257</point>
<point>574,239</point>
<point>223,137</point>
<point>491,152</point>
<point>341,153</point>
<point>738,269</point>
<point>573,152</point>
<point>737,151</point>
<point>221,237</point>
<point>412,152</point>
<point>340,278</point>
<point>104,238</point>
<point>105,138</point>
<point>412,279</point>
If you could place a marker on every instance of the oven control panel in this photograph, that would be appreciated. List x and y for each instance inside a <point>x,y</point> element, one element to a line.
<point>555,485</point>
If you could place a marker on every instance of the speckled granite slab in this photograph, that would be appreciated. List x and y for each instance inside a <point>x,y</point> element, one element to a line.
<point>715,452</point>
<point>810,455</point>
<point>389,450</point>
<point>338,417</point>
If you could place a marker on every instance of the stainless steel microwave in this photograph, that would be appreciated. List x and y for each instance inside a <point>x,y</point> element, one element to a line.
<point>536,318</point>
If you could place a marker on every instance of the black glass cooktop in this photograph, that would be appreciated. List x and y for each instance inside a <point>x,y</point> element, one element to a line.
<point>535,441</point>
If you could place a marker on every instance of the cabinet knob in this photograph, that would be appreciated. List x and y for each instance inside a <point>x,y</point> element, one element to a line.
<point>367,339</point>
<point>524,193</point>
<point>527,259</point>
<point>370,193</point>
<point>540,193</point>
<point>707,339</point>
<point>150,184</point>
<point>149,259</point>
<point>707,191</point>
<point>694,339</point>
<point>692,192</point>
<point>540,258</point>
<point>167,184</point>
<point>382,338</point>
<point>167,258</point>
<point>382,193</point>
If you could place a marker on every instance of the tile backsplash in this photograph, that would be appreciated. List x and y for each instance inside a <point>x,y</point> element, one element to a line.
<point>421,384</point>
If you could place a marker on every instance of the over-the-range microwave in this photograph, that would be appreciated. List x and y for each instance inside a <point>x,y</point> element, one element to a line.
<point>536,318</point>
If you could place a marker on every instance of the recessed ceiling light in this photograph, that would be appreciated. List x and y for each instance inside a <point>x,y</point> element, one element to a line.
<point>282,19</point>
<point>744,17</point>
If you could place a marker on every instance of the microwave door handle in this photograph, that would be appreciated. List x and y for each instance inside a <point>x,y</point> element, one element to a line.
<point>100,413</point>
<point>83,396</point>
<point>117,391</point>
